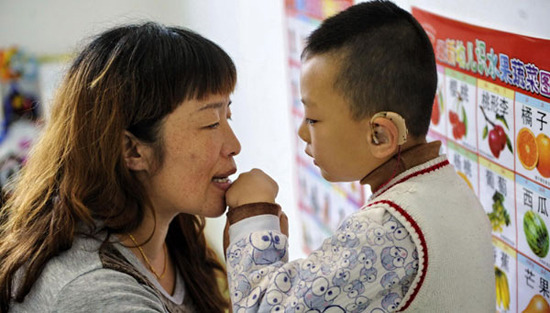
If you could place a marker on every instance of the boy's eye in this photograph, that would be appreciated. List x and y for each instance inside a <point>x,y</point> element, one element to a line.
<point>310,121</point>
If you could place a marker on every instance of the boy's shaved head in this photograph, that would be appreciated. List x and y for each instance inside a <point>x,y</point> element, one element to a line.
<point>386,61</point>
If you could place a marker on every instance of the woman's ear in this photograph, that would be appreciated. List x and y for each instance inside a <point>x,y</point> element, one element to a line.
<point>136,154</point>
<point>383,137</point>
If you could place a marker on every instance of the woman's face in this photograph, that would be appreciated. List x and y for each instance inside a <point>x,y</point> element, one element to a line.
<point>199,146</point>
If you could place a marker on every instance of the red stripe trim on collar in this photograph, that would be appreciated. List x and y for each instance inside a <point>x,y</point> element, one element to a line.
<point>422,243</point>
<point>411,175</point>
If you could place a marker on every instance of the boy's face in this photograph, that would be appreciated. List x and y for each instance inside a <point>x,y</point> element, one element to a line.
<point>339,145</point>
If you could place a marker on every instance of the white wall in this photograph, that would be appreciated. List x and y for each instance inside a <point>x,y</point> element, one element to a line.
<point>529,18</point>
<point>252,32</point>
<point>58,26</point>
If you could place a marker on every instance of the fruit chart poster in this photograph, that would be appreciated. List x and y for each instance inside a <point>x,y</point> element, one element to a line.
<point>321,205</point>
<point>492,114</point>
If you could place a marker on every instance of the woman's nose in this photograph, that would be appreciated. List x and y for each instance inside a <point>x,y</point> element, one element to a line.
<point>233,146</point>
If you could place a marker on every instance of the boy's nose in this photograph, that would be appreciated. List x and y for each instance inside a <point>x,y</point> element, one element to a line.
<point>303,131</point>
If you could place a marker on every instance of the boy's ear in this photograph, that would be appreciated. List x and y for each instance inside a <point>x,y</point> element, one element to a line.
<point>136,154</point>
<point>383,137</point>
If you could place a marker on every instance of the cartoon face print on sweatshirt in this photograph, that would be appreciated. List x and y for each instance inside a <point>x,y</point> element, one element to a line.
<point>411,269</point>
<point>368,275</point>
<point>248,301</point>
<point>341,277</point>
<point>367,257</point>
<point>389,280</point>
<point>321,294</point>
<point>354,289</point>
<point>394,230</point>
<point>268,247</point>
<point>235,258</point>
<point>359,305</point>
<point>376,236</point>
<point>310,268</point>
<point>391,301</point>
<point>349,259</point>
<point>393,257</point>
<point>241,288</point>
<point>347,240</point>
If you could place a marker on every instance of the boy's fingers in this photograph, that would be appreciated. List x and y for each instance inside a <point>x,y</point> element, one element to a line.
<point>283,220</point>
<point>225,239</point>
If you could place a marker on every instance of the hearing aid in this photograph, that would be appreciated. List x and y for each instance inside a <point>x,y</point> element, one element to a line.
<point>397,120</point>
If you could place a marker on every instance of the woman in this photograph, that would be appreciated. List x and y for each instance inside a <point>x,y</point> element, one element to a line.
<point>108,214</point>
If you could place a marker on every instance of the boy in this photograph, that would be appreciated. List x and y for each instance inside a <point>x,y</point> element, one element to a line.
<point>422,243</point>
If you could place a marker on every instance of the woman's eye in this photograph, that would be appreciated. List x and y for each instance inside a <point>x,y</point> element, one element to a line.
<point>213,126</point>
<point>310,121</point>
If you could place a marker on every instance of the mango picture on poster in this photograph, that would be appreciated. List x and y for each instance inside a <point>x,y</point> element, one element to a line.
<point>537,305</point>
<point>534,151</point>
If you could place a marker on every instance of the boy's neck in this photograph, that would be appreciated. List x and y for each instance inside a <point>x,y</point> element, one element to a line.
<point>408,158</point>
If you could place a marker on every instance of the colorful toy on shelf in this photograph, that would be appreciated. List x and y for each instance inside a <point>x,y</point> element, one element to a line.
<point>16,64</point>
<point>20,105</point>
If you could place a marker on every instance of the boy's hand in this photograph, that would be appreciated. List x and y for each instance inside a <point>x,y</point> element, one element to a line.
<point>283,221</point>
<point>251,187</point>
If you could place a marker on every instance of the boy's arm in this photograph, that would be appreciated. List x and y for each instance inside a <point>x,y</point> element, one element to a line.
<point>258,210</point>
<point>362,265</point>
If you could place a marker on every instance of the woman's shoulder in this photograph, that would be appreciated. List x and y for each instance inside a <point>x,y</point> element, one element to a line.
<point>81,258</point>
<point>77,280</point>
<point>104,288</point>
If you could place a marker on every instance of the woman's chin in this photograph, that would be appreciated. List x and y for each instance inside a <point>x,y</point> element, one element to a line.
<point>215,210</point>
